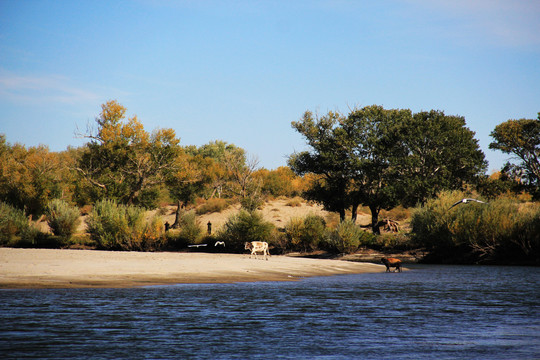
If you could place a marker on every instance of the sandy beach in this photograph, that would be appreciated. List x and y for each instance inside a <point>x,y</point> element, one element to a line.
<point>46,268</point>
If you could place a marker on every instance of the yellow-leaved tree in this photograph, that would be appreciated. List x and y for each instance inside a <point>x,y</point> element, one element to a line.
<point>122,161</point>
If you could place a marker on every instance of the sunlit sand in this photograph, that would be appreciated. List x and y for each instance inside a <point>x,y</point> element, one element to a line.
<point>46,268</point>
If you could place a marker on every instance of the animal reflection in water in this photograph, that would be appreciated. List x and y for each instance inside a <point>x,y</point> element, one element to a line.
<point>392,263</point>
<point>257,246</point>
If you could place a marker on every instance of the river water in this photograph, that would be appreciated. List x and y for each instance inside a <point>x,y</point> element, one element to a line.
<point>429,312</point>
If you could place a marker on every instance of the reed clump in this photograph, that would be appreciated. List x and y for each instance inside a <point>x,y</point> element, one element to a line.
<point>501,231</point>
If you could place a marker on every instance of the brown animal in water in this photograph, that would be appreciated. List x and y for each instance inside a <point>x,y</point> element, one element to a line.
<point>256,246</point>
<point>392,262</point>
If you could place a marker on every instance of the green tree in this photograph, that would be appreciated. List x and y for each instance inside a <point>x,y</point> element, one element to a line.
<point>376,153</point>
<point>439,152</point>
<point>522,139</point>
<point>380,158</point>
<point>123,161</point>
<point>329,157</point>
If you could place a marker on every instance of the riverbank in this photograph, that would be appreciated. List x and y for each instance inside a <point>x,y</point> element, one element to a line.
<point>53,268</point>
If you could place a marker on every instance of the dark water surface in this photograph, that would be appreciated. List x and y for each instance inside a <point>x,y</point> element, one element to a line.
<point>437,312</point>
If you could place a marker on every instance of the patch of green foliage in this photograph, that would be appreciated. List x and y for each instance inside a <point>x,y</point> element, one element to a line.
<point>62,218</point>
<point>244,227</point>
<point>122,227</point>
<point>348,237</point>
<point>501,231</point>
<point>306,234</point>
<point>190,231</point>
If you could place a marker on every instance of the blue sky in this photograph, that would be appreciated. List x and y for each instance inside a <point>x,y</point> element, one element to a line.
<point>241,71</point>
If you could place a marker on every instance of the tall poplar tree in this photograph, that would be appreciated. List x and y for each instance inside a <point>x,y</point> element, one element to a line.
<point>122,161</point>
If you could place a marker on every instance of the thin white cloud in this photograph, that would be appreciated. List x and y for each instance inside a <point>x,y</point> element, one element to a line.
<point>500,22</point>
<point>42,89</point>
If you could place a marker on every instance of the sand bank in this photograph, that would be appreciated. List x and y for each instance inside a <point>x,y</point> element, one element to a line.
<point>45,268</point>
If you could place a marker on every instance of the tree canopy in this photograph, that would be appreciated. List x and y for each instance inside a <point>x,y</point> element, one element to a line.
<point>122,161</point>
<point>380,158</point>
<point>522,139</point>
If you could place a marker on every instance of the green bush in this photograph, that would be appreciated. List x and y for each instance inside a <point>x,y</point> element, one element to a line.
<point>13,223</point>
<point>502,231</point>
<point>526,233</point>
<point>294,232</point>
<point>117,227</point>
<point>306,234</point>
<point>15,229</point>
<point>245,226</point>
<point>393,241</point>
<point>348,237</point>
<point>63,219</point>
<point>191,231</point>
<point>251,203</point>
<point>314,232</point>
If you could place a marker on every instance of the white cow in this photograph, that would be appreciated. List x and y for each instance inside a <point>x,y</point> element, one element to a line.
<point>256,246</point>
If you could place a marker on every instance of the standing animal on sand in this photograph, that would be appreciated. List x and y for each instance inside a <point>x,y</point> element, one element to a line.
<point>257,246</point>
<point>392,262</point>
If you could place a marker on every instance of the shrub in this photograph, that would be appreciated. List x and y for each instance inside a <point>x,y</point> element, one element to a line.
<point>306,234</point>
<point>154,237</point>
<point>314,232</point>
<point>294,202</point>
<point>13,223</point>
<point>500,231</point>
<point>348,237</point>
<point>251,203</point>
<point>62,218</point>
<point>191,231</point>
<point>279,240</point>
<point>393,241</point>
<point>398,213</point>
<point>294,230</point>
<point>245,226</point>
<point>212,206</point>
<point>107,225</point>
<point>526,232</point>
<point>117,227</point>
<point>15,229</point>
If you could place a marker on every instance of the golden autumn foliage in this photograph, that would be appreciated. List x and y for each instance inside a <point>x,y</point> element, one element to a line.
<point>123,161</point>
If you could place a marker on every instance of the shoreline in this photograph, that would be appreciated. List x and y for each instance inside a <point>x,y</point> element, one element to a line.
<point>64,268</point>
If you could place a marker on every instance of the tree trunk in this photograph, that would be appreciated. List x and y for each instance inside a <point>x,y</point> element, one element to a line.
<point>135,191</point>
<point>375,219</point>
<point>177,215</point>
<point>354,213</point>
<point>341,215</point>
